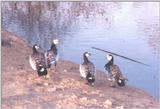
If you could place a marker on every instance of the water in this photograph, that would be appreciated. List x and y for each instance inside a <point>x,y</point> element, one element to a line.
<point>131,29</point>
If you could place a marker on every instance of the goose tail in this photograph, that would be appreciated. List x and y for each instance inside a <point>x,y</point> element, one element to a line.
<point>121,82</point>
<point>90,79</point>
<point>42,71</point>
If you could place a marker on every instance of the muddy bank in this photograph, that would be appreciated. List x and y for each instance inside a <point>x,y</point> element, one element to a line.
<point>21,88</point>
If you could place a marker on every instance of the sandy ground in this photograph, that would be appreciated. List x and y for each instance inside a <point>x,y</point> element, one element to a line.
<point>23,89</point>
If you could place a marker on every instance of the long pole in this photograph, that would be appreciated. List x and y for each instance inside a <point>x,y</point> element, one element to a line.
<point>120,56</point>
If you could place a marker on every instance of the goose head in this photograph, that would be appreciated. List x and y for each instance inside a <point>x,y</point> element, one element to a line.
<point>109,58</point>
<point>35,47</point>
<point>55,41</point>
<point>86,55</point>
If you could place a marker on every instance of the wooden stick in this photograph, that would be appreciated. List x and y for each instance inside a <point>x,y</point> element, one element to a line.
<point>120,56</point>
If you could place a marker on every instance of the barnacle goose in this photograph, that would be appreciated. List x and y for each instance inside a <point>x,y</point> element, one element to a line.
<point>87,69</point>
<point>52,54</point>
<point>114,73</point>
<point>37,61</point>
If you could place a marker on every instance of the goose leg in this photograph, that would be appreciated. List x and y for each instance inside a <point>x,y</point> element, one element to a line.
<point>55,69</point>
<point>90,84</point>
<point>44,77</point>
<point>36,78</point>
<point>109,76</point>
<point>113,83</point>
<point>48,75</point>
<point>82,78</point>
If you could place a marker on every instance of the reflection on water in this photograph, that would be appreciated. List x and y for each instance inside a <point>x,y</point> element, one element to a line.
<point>130,29</point>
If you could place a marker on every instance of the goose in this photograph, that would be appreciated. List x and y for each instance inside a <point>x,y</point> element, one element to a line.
<point>52,54</point>
<point>37,61</point>
<point>114,72</point>
<point>87,69</point>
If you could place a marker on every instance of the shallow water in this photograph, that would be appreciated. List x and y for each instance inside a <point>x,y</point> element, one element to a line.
<point>131,29</point>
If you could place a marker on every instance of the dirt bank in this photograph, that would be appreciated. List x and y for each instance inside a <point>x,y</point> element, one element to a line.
<point>65,89</point>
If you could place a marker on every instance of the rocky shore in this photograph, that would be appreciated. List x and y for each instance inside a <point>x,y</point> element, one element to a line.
<point>23,89</point>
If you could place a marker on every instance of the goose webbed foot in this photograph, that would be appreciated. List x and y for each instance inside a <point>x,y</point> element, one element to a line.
<point>55,69</point>
<point>113,86</point>
<point>90,84</point>
<point>45,77</point>
<point>82,78</point>
<point>48,76</point>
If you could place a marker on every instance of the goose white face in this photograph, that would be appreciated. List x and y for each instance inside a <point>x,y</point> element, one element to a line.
<point>37,47</point>
<point>87,54</point>
<point>55,41</point>
<point>109,57</point>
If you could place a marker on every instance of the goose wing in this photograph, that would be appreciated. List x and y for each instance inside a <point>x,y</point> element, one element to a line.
<point>40,59</point>
<point>36,60</point>
<point>115,71</point>
<point>51,57</point>
<point>32,62</point>
<point>91,68</point>
<point>83,70</point>
<point>87,67</point>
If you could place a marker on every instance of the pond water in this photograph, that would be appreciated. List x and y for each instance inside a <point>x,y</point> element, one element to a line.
<point>131,29</point>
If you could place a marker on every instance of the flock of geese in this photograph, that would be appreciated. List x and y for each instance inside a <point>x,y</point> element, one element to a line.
<point>41,61</point>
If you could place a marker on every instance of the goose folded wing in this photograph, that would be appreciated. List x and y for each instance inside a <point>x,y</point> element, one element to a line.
<point>51,57</point>
<point>91,68</point>
<point>83,70</point>
<point>115,71</point>
<point>40,60</point>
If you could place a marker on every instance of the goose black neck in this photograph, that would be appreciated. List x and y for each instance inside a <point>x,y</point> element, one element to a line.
<point>110,62</point>
<point>54,48</point>
<point>34,50</point>
<point>85,59</point>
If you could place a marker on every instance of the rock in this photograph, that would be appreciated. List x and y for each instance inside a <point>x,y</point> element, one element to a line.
<point>94,101</point>
<point>64,70</point>
<point>6,43</point>
<point>83,100</point>
<point>51,89</point>
<point>46,84</point>
<point>59,89</point>
<point>119,107</point>
<point>101,95</point>
<point>74,96</point>
<point>107,104</point>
